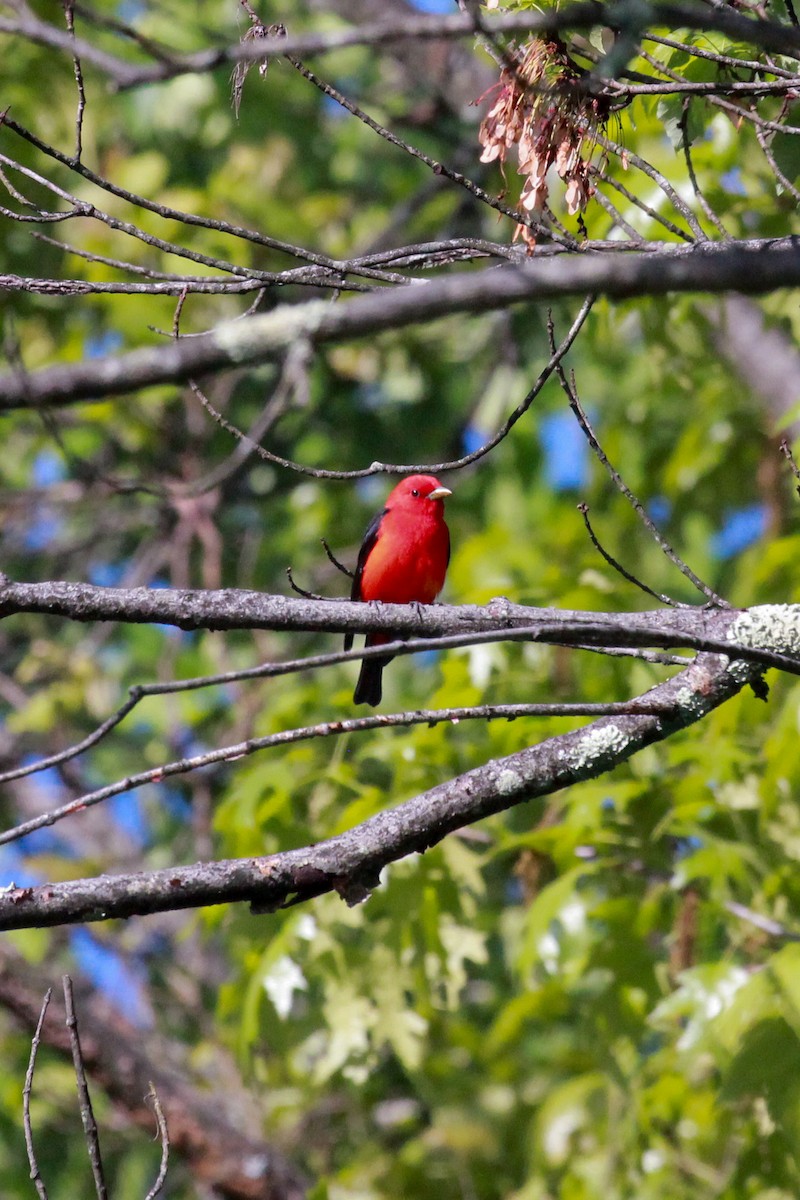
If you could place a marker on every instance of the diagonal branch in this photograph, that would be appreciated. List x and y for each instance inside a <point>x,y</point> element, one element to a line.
<point>351,863</point>
<point>751,267</point>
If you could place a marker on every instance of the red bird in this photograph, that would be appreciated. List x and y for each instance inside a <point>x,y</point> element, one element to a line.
<point>403,560</point>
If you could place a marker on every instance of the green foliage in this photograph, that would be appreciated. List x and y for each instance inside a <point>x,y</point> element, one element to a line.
<point>561,1002</point>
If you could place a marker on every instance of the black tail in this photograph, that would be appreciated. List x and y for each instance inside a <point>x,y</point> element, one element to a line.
<point>368,689</point>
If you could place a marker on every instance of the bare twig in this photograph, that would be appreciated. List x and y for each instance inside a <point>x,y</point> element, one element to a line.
<point>687,154</point>
<point>333,559</point>
<point>786,451</point>
<point>641,164</point>
<point>616,216</point>
<point>583,509</point>
<point>648,210</point>
<point>569,389</point>
<point>783,180</point>
<point>302,591</point>
<point>519,217</point>
<point>724,60</point>
<point>163,1134</point>
<point>26,1101</point>
<point>69,13</point>
<point>167,212</point>
<point>557,355</point>
<point>708,88</point>
<point>87,1113</point>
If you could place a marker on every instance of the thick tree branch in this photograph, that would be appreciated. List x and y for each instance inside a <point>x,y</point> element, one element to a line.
<point>743,633</point>
<point>752,267</point>
<point>769,35</point>
<point>351,863</point>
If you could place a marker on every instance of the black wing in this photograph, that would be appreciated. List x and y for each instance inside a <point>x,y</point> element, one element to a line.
<point>370,538</point>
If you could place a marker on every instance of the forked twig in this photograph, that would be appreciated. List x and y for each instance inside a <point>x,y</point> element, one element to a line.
<point>687,154</point>
<point>410,468</point>
<point>69,14</point>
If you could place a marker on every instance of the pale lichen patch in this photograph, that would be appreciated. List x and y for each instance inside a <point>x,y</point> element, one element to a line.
<point>598,743</point>
<point>508,782</point>
<point>246,341</point>
<point>768,627</point>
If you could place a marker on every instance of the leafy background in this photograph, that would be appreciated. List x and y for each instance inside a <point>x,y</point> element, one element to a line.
<point>559,1002</point>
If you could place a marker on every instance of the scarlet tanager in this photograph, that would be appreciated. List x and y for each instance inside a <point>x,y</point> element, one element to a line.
<point>403,560</point>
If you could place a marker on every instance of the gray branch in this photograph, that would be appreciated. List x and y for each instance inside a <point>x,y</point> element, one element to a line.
<point>351,863</point>
<point>626,16</point>
<point>737,644</point>
<point>699,628</point>
<point>753,267</point>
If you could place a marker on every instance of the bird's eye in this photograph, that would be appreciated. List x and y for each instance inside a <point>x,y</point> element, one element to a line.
<point>415,491</point>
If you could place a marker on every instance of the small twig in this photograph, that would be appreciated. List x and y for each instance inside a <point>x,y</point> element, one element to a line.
<point>168,213</point>
<point>738,113</point>
<point>660,179</point>
<point>176,318</point>
<point>648,210</point>
<point>302,591</point>
<point>577,408</point>
<point>120,264</point>
<point>332,558</point>
<point>519,217</point>
<point>687,154</point>
<point>410,468</point>
<point>87,1113</point>
<point>26,1100</point>
<point>782,179</point>
<point>163,1133</point>
<point>69,13</point>
<point>54,760</point>
<point>583,509</point>
<point>617,217</point>
<point>734,64</point>
<point>650,656</point>
<point>786,451</point>
<point>274,408</point>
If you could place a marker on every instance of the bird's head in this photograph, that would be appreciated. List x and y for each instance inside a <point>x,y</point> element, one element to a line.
<point>422,490</point>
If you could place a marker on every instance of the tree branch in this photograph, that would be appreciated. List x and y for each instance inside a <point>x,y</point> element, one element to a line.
<point>751,267</point>
<point>739,633</point>
<point>351,863</point>
<point>769,35</point>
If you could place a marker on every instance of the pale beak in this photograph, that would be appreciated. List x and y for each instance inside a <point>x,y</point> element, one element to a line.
<point>438,493</point>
